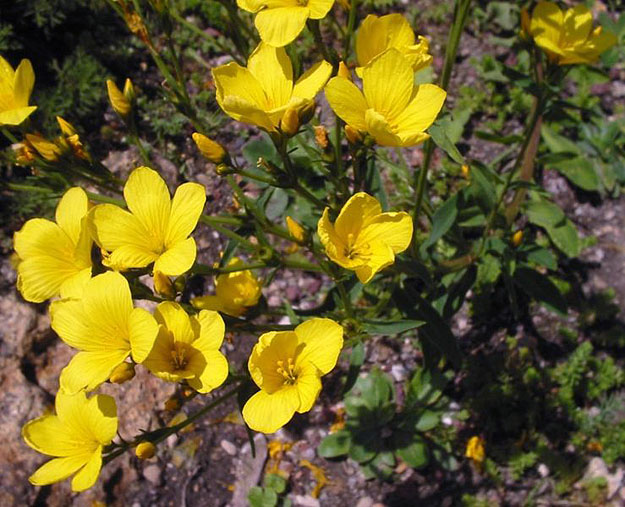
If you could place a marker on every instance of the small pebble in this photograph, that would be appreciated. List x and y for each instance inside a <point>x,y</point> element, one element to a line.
<point>229,447</point>
<point>153,474</point>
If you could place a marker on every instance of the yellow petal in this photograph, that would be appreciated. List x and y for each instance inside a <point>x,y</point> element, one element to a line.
<point>387,83</point>
<point>87,370</point>
<point>267,413</point>
<point>379,127</point>
<point>16,116</point>
<point>113,227</point>
<point>250,5</point>
<point>546,24</point>
<point>576,26</point>
<point>42,237</point>
<point>309,84</point>
<point>323,339</point>
<point>24,82</point>
<point>319,8</point>
<point>58,469</point>
<point>236,81</point>
<point>101,418</point>
<point>308,387</point>
<point>279,27</point>
<point>148,199</point>
<point>347,101</point>
<point>272,69</point>
<point>68,320</point>
<point>175,319</point>
<point>212,375</point>
<point>41,277</point>
<point>370,41</point>
<point>263,361</point>
<point>359,209</point>
<point>72,207</point>
<point>212,330</point>
<point>394,229</point>
<point>399,32</point>
<point>142,330</point>
<point>178,259</point>
<point>129,256</point>
<point>380,256</point>
<point>7,74</point>
<point>74,286</point>
<point>246,112</point>
<point>421,111</point>
<point>48,435</point>
<point>186,208</point>
<point>88,475</point>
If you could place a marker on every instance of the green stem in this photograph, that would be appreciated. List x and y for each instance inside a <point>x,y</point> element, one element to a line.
<point>303,265</point>
<point>9,136</point>
<point>245,243</point>
<point>347,302</point>
<point>328,55</point>
<point>162,433</point>
<point>202,269</point>
<point>350,28</point>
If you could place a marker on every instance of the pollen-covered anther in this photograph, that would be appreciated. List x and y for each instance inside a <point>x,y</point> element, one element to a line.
<point>290,377</point>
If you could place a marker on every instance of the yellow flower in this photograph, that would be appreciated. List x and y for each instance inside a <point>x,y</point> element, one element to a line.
<point>55,258</point>
<point>210,149</point>
<point>475,449</point>
<point>363,238</point>
<point>377,34</point>
<point>47,149</point>
<point>392,110</point>
<point>105,328</point>
<point>567,37</point>
<point>187,348</point>
<point>145,450</point>
<point>155,230</point>
<point>74,436</point>
<point>120,102</point>
<point>71,139</point>
<point>235,292</point>
<point>261,93</point>
<point>15,89</point>
<point>279,21</point>
<point>287,366</point>
<point>297,232</point>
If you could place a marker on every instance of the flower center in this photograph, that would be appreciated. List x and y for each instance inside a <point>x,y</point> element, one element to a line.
<point>353,251</point>
<point>179,357</point>
<point>287,371</point>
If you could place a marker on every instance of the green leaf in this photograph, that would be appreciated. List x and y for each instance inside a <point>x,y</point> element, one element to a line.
<point>427,421</point>
<point>258,148</point>
<point>425,387</point>
<point>376,389</point>
<point>565,237</point>
<point>277,204</point>
<point>442,221</point>
<point>542,257</point>
<point>544,213</point>
<point>356,360</point>
<point>495,138</point>
<point>415,454</point>
<point>390,328</point>
<point>275,482</point>
<point>334,445</point>
<point>540,288</point>
<point>439,135</point>
<point>262,497</point>
<point>580,172</point>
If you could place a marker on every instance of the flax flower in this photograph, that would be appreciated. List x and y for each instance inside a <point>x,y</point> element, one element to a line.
<point>568,37</point>
<point>287,366</point>
<point>236,292</point>
<point>155,230</point>
<point>377,34</point>
<point>15,89</point>
<point>363,238</point>
<point>55,258</point>
<point>392,109</point>
<point>104,327</point>
<point>261,93</point>
<point>187,348</point>
<point>279,21</point>
<point>74,437</point>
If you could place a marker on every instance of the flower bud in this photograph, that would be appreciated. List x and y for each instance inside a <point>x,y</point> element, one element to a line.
<point>517,237</point>
<point>475,449</point>
<point>121,105</point>
<point>145,450</point>
<point>352,135</point>
<point>122,373</point>
<point>306,112</point>
<point>163,285</point>
<point>66,127</point>
<point>180,283</point>
<point>223,170</point>
<point>48,150</point>
<point>321,136</point>
<point>344,71</point>
<point>466,172</point>
<point>290,122</point>
<point>129,91</point>
<point>297,232</point>
<point>24,153</point>
<point>209,149</point>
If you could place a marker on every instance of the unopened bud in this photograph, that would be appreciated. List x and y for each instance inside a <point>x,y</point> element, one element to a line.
<point>172,404</point>
<point>48,150</point>
<point>517,237</point>
<point>306,112</point>
<point>121,105</point>
<point>344,71</point>
<point>180,283</point>
<point>129,91</point>
<point>122,373</point>
<point>321,136</point>
<point>267,165</point>
<point>145,450</point>
<point>352,135</point>
<point>24,154</point>
<point>223,169</point>
<point>466,172</point>
<point>163,285</point>
<point>297,232</point>
<point>209,149</point>
<point>66,127</point>
<point>289,124</point>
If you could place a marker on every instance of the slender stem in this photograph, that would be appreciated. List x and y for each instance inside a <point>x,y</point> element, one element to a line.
<point>350,28</point>
<point>106,199</point>
<point>208,270</point>
<point>137,142</point>
<point>347,302</point>
<point>303,265</point>
<point>9,136</point>
<point>245,243</point>
<point>162,433</point>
